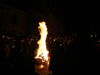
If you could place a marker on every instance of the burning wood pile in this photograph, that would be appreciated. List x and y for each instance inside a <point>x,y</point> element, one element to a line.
<point>41,62</point>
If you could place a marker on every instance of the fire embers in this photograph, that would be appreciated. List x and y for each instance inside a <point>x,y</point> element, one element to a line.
<point>41,62</point>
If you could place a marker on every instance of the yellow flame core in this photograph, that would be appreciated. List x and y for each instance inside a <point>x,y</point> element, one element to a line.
<point>42,42</point>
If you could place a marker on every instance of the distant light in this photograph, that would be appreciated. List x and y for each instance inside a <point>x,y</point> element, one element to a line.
<point>95,35</point>
<point>14,40</point>
<point>23,40</point>
<point>32,39</point>
<point>60,44</point>
<point>58,37</point>
<point>68,42</point>
<point>91,35</point>
<point>12,46</point>
<point>54,40</point>
<point>3,36</point>
<point>99,40</point>
<point>29,41</point>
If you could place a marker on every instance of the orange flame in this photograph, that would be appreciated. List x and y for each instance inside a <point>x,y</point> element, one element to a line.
<point>42,51</point>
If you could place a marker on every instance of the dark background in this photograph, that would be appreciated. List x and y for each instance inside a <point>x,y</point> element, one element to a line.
<point>74,15</point>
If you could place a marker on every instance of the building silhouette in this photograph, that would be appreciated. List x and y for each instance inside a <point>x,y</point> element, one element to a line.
<point>12,19</point>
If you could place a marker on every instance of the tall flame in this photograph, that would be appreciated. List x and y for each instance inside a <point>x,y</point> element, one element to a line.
<point>42,51</point>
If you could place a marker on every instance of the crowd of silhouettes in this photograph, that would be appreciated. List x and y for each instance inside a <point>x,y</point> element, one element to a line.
<point>16,54</point>
<point>73,54</point>
<point>79,55</point>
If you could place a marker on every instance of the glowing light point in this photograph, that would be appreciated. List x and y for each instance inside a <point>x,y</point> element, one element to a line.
<point>3,36</point>
<point>95,35</point>
<point>91,35</point>
<point>68,42</point>
<point>54,40</point>
<point>41,66</point>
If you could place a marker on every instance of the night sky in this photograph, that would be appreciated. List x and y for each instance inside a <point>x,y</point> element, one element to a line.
<point>73,15</point>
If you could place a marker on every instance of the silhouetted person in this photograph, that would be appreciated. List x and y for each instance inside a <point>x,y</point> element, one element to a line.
<point>82,59</point>
<point>23,64</point>
<point>55,56</point>
<point>88,53</point>
<point>5,67</point>
<point>32,48</point>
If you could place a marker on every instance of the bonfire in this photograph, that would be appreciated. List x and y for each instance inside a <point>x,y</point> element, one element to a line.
<point>42,56</point>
